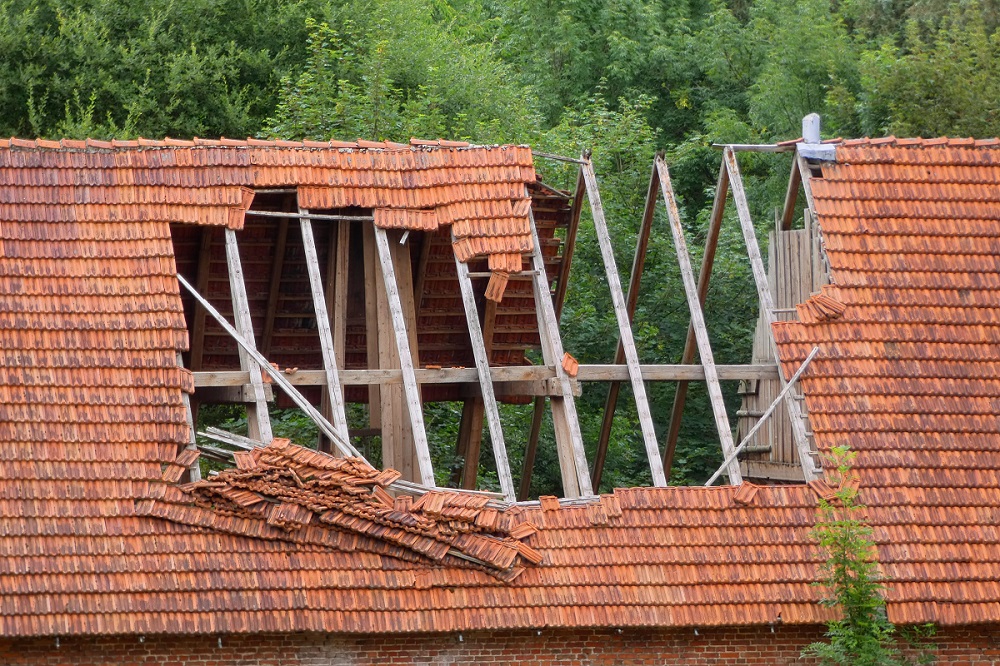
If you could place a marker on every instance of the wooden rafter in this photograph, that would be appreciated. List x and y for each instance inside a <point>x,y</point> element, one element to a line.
<point>488,399</point>
<point>623,319</point>
<point>698,322</point>
<point>258,419</point>
<point>767,309</point>
<point>562,283</point>
<point>330,362</point>
<point>791,196</point>
<point>631,301</point>
<point>569,440</point>
<point>690,343</point>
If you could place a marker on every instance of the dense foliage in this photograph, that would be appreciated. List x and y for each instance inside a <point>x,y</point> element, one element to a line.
<point>623,77</point>
<point>862,635</point>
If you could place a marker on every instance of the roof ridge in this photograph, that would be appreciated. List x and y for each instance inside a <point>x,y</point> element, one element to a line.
<point>250,142</point>
<point>920,142</point>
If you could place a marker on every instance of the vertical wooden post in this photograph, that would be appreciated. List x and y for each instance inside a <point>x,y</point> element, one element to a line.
<point>470,437</point>
<point>258,420</point>
<point>194,471</point>
<point>414,404</point>
<point>485,382</point>
<point>767,309</point>
<point>201,280</point>
<point>532,447</point>
<point>473,412</point>
<point>690,343</point>
<point>631,301</point>
<point>624,327</point>
<point>340,272</point>
<point>333,388</point>
<point>698,321</point>
<point>569,440</point>
<point>274,290</point>
<point>338,244</point>
<point>372,327</point>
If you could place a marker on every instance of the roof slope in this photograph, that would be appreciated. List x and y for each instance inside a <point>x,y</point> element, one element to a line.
<point>91,321</point>
<point>909,369</point>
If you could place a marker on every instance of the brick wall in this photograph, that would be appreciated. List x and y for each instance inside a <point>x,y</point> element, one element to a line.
<point>601,647</point>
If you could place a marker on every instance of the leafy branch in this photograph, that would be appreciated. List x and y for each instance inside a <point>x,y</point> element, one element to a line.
<point>863,635</point>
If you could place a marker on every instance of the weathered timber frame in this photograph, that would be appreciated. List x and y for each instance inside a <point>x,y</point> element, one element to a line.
<point>624,319</point>
<point>482,385</point>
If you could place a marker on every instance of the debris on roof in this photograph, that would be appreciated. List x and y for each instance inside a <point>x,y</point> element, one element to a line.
<point>287,492</point>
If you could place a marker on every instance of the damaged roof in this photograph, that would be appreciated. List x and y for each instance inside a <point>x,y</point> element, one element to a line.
<point>99,538</point>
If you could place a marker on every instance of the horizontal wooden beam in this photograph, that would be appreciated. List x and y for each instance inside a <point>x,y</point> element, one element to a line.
<point>233,394</point>
<point>527,373</point>
<point>756,148</point>
<point>772,471</point>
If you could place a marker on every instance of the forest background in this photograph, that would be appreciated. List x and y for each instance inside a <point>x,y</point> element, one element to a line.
<point>622,77</point>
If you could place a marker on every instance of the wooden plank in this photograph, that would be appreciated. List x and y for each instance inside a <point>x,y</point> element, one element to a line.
<point>674,373</point>
<point>698,321</point>
<point>412,391</point>
<point>569,440</point>
<point>201,281</point>
<point>371,324</point>
<point>538,409</point>
<point>473,422</point>
<point>690,344</point>
<point>531,448</point>
<point>624,327</point>
<point>258,420</point>
<point>771,471</point>
<point>333,387</point>
<point>194,471</point>
<point>791,196</point>
<point>569,245</point>
<point>498,374</point>
<point>274,288</point>
<point>631,300</point>
<point>767,308</point>
<point>481,357</point>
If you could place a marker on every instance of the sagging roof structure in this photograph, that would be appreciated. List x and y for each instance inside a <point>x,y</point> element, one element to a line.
<point>106,527</point>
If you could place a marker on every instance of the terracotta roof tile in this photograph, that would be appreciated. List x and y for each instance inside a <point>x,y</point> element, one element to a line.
<point>908,370</point>
<point>95,541</point>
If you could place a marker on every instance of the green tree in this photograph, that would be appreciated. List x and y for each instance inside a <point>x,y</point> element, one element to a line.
<point>943,80</point>
<point>391,70</point>
<point>106,68</point>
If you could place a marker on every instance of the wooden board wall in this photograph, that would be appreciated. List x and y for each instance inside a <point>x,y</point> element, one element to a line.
<point>796,270</point>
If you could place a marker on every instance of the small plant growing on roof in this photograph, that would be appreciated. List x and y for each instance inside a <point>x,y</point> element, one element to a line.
<point>863,634</point>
